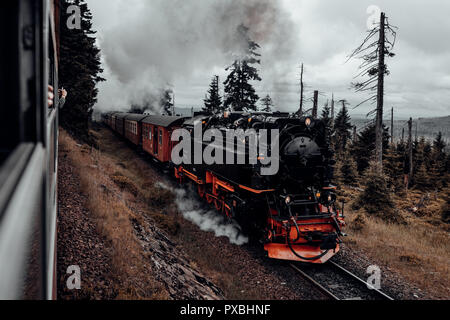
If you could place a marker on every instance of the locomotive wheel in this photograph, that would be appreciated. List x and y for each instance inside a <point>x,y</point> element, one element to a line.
<point>201,190</point>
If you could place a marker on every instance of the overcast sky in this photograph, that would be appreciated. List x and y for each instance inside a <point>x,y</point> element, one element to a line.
<point>151,44</point>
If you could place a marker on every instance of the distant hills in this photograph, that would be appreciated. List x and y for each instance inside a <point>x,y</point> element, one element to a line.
<point>426,127</point>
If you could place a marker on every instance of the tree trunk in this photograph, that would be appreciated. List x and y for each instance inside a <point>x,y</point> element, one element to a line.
<point>380,96</point>
<point>332,110</point>
<point>392,126</point>
<point>316,103</point>
<point>300,111</point>
<point>410,150</point>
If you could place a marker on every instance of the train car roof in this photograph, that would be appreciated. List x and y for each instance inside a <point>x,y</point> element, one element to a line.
<point>164,121</point>
<point>135,117</point>
<point>122,115</point>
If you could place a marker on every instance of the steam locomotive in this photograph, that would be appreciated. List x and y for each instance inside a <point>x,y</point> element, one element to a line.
<point>293,210</point>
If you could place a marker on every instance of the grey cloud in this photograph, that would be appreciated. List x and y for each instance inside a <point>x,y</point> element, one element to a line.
<point>148,44</point>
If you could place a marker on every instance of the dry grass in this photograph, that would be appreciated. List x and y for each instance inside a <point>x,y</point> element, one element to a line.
<point>100,179</point>
<point>418,249</point>
<point>165,214</point>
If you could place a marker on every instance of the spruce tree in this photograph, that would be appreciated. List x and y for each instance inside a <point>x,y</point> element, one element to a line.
<point>376,198</point>
<point>393,167</point>
<point>439,162</point>
<point>364,147</point>
<point>326,117</point>
<point>267,104</point>
<point>240,93</point>
<point>213,102</point>
<point>79,71</point>
<point>349,173</point>
<point>342,127</point>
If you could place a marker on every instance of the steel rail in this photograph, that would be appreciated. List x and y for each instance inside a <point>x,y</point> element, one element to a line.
<point>370,287</point>
<point>315,283</point>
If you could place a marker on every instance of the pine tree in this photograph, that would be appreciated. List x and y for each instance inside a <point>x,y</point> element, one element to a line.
<point>439,162</point>
<point>393,167</point>
<point>376,198</point>
<point>213,102</point>
<point>267,104</point>
<point>326,117</point>
<point>364,147</point>
<point>342,127</point>
<point>80,67</point>
<point>439,144</point>
<point>240,93</point>
<point>422,179</point>
<point>349,173</point>
<point>328,120</point>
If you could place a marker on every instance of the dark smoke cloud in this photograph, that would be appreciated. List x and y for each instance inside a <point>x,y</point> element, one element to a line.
<point>159,41</point>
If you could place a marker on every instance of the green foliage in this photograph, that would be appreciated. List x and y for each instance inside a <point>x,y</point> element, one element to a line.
<point>326,118</point>
<point>376,198</point>
<point>240,93</point>
<point>213,103</point>
<point>342,127</point>
<point>79,70</point>
<point>348,172</point>
<point>393,167</point>
<point>364,147</point>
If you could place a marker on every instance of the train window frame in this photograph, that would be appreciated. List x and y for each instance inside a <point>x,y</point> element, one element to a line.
<point>160,137</point>
<point>26,165</point>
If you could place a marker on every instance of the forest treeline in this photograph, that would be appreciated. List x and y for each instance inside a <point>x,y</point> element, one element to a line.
<point>355,166</point>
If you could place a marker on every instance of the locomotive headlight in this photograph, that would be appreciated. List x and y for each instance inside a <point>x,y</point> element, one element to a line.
<point>288,200</point>
<point>308,122</point>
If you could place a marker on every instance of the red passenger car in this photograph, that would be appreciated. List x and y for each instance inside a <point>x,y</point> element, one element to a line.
<point>133,128</point>
<point>120,123</point>
<point>156,135</point>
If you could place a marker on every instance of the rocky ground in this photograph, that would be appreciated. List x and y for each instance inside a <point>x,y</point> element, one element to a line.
<point>79,243</point>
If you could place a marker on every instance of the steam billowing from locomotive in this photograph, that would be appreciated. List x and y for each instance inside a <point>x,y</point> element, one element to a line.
<point>207,220</point>
<point>157,42</point>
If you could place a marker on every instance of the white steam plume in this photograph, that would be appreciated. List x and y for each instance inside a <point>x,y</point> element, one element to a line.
<point>150,44</point>
<point>206,220</point>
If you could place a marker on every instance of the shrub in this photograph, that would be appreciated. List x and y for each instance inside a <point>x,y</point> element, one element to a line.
<point>124,183</point>
<point>376,198</point>
<point>158,197</point>
<point>446,207</point>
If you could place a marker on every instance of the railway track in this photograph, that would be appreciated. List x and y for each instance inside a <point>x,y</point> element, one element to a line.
<point>337,283</point>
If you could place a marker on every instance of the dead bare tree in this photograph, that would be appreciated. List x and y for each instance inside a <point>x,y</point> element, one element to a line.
<point>377,45</point>
<point>392,126</point>
<point>302,89</point>
<point>315,104</point>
